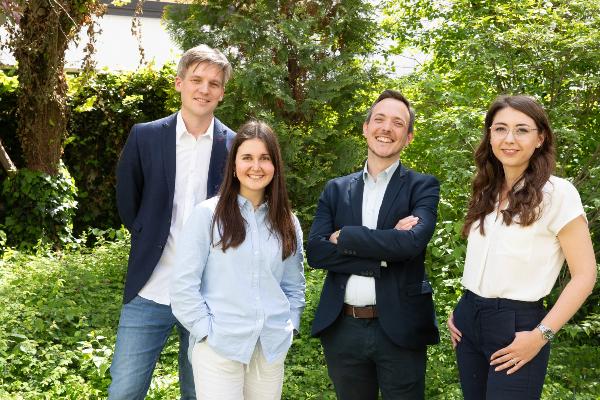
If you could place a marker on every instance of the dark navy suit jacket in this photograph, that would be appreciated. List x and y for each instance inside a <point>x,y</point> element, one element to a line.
<point>404,296</point>
<point>145,190</point>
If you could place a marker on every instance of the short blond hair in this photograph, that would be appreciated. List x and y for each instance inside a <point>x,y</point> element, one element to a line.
<point>201,54</point>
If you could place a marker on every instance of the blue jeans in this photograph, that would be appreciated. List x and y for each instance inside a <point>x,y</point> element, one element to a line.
<point>144,328</point>
<point>488,325</point>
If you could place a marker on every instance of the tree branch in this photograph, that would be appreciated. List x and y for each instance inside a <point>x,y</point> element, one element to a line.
<point>7,163</point>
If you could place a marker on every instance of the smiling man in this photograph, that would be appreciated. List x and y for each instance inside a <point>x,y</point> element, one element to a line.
<point>376,316</point>
<point>166,168</point>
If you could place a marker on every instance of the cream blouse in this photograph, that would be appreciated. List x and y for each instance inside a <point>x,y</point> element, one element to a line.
<point>521,263</point>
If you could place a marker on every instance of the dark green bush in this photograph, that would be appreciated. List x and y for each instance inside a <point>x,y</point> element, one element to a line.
<point>39,208</point>
<point>104,107</point>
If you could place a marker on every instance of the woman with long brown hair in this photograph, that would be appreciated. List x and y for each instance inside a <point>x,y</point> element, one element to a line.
<point>238,284</point>
<point>522,223</point>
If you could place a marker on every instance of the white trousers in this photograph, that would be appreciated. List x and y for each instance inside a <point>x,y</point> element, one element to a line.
<point>217,378</point>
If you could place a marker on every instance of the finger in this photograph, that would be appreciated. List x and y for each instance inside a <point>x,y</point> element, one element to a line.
<point>451,327</point>
<point>405,225</point>
<point>500,353</point>
<point>407,220</point>
<point>506,365</point>
<point>502,359</point>
<point>516,367</point>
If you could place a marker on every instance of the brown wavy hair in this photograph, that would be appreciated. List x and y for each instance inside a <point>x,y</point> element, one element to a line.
<point>526,194</point>
<point>228,217</point>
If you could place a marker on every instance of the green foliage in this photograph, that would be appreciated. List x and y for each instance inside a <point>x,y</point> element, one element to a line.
<point>479,50</point>
<point>304,67</point>
<point>60,313</point>
<point>39,208</point>
<point>104,107</point>
<point>58,316</point>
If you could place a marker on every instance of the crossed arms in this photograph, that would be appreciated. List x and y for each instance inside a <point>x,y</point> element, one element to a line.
<point>360,250</point>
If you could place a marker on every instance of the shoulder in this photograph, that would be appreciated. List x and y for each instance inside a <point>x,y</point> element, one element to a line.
<point>223,129</point>
<point>419,177</point>
<point>296,221</point>
<point>204,211</point>
<point>559,187</point>
<point>419,183</point>
<point>343,181</point>
<point>158,123</point>
<point>209,204</point>
<point>150,131</point>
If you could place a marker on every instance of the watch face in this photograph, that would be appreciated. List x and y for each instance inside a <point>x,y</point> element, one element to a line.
<point>546,332</point>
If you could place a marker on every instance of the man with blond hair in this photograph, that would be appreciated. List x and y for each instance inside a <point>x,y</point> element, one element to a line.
<point>167,167</point>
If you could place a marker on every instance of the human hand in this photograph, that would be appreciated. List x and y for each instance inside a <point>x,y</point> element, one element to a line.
<point>523,348</point>
<point>455,334</point>
<point>334,237</point>
<point>406,223</point>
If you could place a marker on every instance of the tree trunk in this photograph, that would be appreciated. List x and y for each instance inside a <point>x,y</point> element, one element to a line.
<point>45,30</point>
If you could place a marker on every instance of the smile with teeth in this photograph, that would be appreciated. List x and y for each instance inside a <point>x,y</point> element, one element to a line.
<point>509,151</point>
<point>255,177</point>
<point>201,100</point>
<point>383,139</point>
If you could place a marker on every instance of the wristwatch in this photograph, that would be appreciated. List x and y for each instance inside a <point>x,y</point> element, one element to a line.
<point>547,333</point>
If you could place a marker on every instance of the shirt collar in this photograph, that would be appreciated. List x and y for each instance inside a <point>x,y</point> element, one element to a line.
<point>244,202</point>
<point>385,174</point>
<point>180,129</point>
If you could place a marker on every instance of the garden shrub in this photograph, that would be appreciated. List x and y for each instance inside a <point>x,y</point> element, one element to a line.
<point>104,107</point>
<point>39,208</point>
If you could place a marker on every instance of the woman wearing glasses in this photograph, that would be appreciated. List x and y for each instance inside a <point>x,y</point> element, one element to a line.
<point>522,222</point>
<point>238,284</point>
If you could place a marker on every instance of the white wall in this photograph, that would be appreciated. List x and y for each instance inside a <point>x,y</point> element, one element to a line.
<point>117,48</point>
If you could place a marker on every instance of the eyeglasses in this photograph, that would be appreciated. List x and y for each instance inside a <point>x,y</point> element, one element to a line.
<point>518,131</point>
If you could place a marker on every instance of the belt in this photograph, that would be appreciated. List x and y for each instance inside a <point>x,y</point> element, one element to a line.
<point>366,312</point>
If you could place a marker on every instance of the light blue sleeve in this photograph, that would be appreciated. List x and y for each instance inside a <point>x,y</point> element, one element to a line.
<point>192,251</point>
<point>293,283</point>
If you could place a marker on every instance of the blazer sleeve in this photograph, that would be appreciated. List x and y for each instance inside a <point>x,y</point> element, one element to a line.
<point>392,245</point>
<point>322,254</point>
<point>130,179</point>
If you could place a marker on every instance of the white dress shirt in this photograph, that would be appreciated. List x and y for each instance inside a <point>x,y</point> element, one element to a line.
<point>521,263</point>
<point>360,290</point>
<point>192,160</point>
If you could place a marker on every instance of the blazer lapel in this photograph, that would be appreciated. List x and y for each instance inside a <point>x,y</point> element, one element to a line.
<point>389,198</point>
<point>355,194</point>
<point>218,157</point>
<point>169,152</point>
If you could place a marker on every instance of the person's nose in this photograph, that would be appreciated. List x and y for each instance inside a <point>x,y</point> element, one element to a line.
<point>510,136</point>
<point>203,87</point>
<point>387,126</point>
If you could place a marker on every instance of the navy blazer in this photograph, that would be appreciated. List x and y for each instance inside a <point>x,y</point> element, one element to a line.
<point>404,296</point>
<point>145,190</point>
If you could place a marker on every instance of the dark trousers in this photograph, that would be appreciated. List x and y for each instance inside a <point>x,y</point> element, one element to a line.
<point>361,359</point>
<point>487,325</point>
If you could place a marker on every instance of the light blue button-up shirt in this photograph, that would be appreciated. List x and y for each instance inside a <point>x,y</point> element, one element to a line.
<point>237,297</point>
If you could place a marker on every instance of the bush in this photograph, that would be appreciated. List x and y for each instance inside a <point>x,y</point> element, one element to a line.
<point>60,314</point>
<point>39,208</point>
<point>104,107</point>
